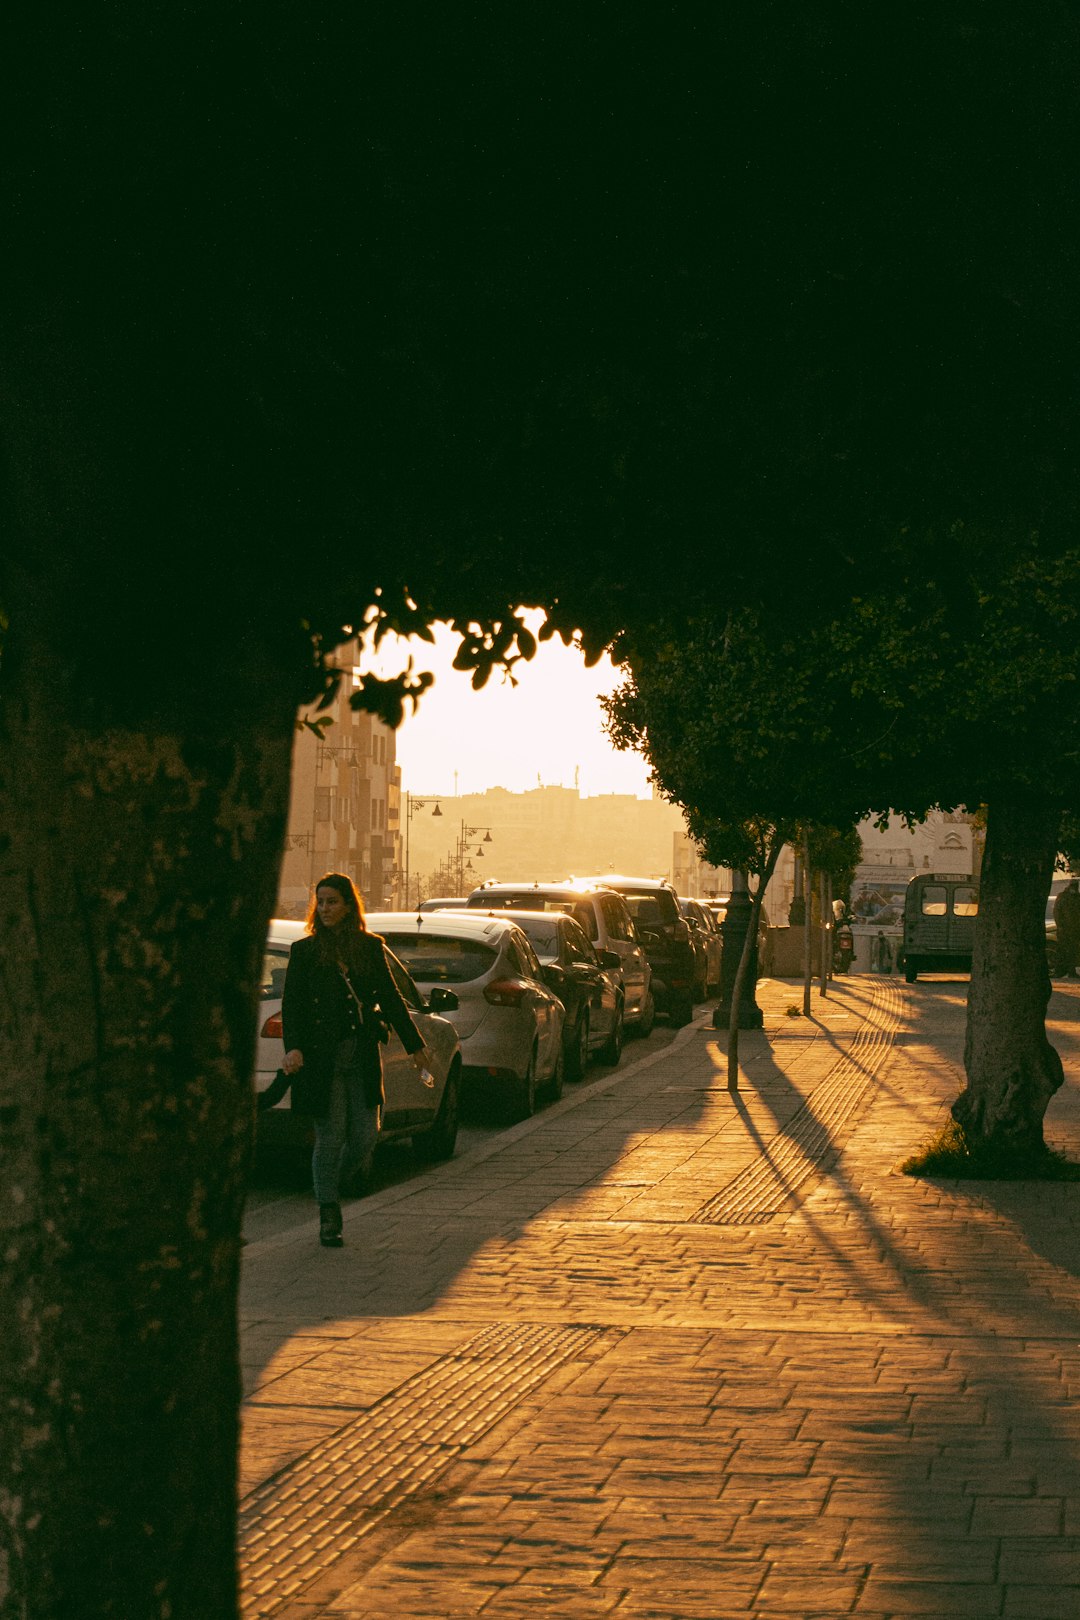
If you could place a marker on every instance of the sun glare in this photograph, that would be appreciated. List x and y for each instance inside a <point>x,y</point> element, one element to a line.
<point>545,727</point>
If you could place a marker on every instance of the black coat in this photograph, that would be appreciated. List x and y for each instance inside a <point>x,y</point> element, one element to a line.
<point>318,1014</point>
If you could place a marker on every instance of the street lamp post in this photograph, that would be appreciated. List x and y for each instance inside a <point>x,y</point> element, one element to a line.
<point>467,836</point>
<point>412,804</point>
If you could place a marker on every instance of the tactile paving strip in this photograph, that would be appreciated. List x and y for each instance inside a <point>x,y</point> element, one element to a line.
<point>760,1192</point>
<point>295,1526</point>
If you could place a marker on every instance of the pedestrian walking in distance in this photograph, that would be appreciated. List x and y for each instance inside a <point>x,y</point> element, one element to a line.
<point>1067,925</point>
<point>338,1002</point>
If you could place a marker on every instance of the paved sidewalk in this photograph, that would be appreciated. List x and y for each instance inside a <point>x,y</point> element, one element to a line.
<point>666,1352</point>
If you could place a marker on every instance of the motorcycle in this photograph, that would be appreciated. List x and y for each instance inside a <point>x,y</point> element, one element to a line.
<point>843,948</point>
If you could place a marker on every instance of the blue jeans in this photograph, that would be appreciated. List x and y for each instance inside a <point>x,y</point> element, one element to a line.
<point>345,1136</point>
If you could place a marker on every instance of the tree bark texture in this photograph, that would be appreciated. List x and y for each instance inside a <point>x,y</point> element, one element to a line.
<point>1012,1069</point>
<point>137,871</point>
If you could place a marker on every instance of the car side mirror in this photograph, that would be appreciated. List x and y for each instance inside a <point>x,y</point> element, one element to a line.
<point>443,1000</point>
<point>610,959</point>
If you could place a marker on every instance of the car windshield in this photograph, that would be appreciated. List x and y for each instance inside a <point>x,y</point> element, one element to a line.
<point>543,933</point>
<point>437,959</point>
<point>275,962</point>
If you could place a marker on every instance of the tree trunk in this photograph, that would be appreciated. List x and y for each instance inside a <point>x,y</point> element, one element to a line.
<point>1012,1070</point>
<point>808,889</point>
<point>749,945</point>
<point>137,868</point>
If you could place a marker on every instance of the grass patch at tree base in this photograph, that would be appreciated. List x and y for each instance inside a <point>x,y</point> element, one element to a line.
<point>949,1154</point>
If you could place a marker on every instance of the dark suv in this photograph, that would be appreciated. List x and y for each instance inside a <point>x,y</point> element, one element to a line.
<point>665,934</point>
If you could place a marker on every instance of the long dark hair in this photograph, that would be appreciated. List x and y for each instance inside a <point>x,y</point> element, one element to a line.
<point>343,940</point>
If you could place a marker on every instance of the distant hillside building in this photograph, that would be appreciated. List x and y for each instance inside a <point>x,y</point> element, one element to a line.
<point>344,812</point>
<point>541,835</point>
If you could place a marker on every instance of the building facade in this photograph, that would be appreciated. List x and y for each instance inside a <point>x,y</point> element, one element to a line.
<point>344,808</point>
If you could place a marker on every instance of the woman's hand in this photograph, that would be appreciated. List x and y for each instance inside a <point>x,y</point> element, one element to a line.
<point>294,1061</point>
<point>422,1059</point>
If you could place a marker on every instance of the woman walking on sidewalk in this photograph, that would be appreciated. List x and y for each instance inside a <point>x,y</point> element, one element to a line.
<point>338,999</point>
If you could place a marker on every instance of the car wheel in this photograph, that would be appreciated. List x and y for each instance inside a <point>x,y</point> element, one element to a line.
<point>646,1017</point>
<point>555,1083</point>
<point>911,972</point>
<point>682,1010</point>
<point>523,1105</point>
<point>611,1051</point>
<point>578,1053</point>
<point>438,1143</point>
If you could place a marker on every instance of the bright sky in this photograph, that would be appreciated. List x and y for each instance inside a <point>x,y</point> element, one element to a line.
<point>506,736</point>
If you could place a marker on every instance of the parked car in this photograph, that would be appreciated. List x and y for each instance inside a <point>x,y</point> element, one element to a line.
<point>665,933</point>
<point>508,1021</point>
<point>705,937</point>
<point>587,982</point>
<point>446,902</point>
<point>608,926</point>
<point>424,1108</point>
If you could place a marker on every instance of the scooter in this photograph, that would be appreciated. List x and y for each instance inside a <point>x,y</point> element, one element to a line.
<point>843,948</point>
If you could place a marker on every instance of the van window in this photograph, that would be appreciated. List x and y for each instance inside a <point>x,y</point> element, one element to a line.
<point>965,903</point>
<point>934,900</point>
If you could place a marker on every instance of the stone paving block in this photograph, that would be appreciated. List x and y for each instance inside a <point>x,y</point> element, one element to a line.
<point>666,1482</point>
<point>1021,1516</point>
<point>1034,1559</point>
<point>919,1556</point>
<point>526,1600</point>
<point>772,1461</point>
<point>691,1549</point>
<point>1042,1602</point>
<point>727,1580</point>
<point>790,1493</point>
<point>797,1591</point>
<point>958,1600</point>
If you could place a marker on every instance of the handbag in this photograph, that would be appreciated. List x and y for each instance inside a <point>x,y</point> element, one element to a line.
<point>274,1092</point>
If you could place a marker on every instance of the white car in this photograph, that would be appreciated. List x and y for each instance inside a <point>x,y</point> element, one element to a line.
<point>425,1108</point>
<point>509,1022</point>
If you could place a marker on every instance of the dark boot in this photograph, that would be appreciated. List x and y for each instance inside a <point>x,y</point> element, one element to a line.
<point>330,1226</point>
